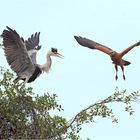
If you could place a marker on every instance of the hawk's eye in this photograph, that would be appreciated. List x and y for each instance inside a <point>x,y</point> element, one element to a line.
<point>113,54</point>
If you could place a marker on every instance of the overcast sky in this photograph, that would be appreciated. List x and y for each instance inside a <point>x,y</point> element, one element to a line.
<point>84,76</point>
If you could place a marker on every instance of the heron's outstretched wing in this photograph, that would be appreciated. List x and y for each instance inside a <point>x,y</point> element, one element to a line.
<point>16,53</point>
<point>32,45</point>
<point>92,45</point>
<point>33,42</point>
<point>129,48</point>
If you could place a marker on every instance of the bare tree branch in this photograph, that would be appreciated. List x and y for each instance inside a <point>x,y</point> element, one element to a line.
<point>116,97</point>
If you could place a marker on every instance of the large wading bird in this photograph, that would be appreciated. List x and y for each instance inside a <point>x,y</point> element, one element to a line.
<point>21,55</point>
<point>115,56</point>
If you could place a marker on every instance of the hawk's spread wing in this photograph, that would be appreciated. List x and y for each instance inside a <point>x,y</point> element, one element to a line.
<point>129,48</point>
<point>92,44</point>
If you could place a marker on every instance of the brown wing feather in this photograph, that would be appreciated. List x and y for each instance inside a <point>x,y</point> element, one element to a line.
<point>129,48</point>
<point>92,45</point>
<point>16,53</point>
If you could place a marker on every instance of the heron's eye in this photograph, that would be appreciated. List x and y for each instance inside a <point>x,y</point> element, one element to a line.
<point>54,50</point>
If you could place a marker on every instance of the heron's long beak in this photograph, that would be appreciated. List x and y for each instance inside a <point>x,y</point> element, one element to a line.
<point>59,55</point>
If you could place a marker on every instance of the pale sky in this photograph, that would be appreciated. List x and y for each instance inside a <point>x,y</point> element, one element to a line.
<point>84,76</point>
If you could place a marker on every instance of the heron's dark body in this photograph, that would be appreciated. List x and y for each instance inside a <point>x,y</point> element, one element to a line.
<point>36,73</point>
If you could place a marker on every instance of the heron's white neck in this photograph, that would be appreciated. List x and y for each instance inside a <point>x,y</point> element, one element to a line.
<point>46,67</point>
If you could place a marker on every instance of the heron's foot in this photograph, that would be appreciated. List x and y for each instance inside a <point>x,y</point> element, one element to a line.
<point>19,85</point>
<point>116,77</point>
<point>123,77</point>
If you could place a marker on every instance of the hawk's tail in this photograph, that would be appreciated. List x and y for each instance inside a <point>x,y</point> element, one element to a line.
<point>126,63</point>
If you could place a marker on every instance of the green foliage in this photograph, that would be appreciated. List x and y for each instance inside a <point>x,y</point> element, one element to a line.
<point>25,115</point>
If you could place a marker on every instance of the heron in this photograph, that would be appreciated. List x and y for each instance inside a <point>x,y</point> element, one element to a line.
<point>115,56</point>
<point>21,55</point>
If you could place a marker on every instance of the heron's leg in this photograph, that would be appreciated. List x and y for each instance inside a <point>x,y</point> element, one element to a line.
<point>123,72</point>
<point>25,81</point>
<point>16,80</point>
<point>116,68</point>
